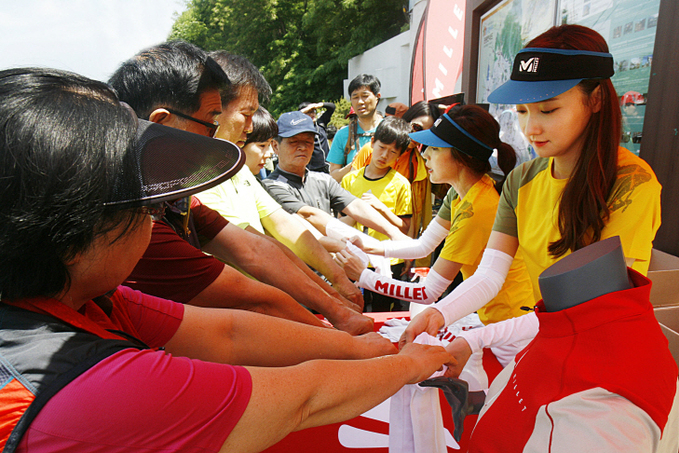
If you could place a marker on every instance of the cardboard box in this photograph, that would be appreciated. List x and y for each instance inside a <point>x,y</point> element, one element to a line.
<point>668,317</point>
<point>663,271</point>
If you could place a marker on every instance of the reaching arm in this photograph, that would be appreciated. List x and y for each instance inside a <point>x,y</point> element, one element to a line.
<point>261,258</point>
<point>473,293</point>
<point>240,337</point>
<point>232,289</point>
<point>295,236</point>
<point>426,292</point>
<point>325,392</point>
<point>316,217</point>
<point>413,248</point>
<point>402,223</point>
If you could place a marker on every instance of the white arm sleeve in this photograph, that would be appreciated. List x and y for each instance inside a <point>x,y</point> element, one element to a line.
<point>417,248</point>
<point>505,339</point>
<point>502,333</point>
<point>422,293</point>
<point>477,290</point>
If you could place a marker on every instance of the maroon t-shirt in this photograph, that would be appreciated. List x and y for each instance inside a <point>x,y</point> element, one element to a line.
<point>173,268</point>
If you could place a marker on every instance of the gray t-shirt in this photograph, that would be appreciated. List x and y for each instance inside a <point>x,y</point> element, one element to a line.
<point>316,189</point>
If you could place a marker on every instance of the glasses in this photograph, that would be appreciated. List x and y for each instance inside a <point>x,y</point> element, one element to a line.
<point>416,127</point>
<point>212,127</point>
<point>154,210</point>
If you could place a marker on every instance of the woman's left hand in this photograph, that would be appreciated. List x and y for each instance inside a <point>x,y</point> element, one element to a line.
<point>352,264</point>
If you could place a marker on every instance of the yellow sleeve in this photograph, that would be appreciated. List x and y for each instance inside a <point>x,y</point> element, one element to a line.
<point>470,226</point>
<point>635,211</point>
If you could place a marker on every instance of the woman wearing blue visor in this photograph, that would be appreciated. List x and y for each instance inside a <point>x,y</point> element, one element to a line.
<point>459,146</point>
<point>582,188</point>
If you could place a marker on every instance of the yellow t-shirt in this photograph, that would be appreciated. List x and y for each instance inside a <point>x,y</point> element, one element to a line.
<point>471,222</point>
<point>241,200</point>
<point>411,165</point>
<point>529,209</point>
<point>393,189</point>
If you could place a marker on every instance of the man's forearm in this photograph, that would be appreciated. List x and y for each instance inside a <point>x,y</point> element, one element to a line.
<point>317,218</point>
<point>309,272</point>
<point>302,242</point>
<point>239,337</point>
<point>232,289</point>
<point>265,261</point>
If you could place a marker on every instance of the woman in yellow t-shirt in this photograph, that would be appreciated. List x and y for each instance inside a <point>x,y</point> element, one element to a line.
<point>582,188</point>
<point>459,146</point>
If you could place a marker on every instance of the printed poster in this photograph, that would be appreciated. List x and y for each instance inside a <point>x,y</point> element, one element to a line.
<point>629,28</point>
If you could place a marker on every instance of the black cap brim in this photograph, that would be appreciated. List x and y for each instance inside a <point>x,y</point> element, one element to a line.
<point>165,164</point>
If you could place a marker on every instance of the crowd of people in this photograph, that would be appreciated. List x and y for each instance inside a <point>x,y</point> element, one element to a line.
<point>160,290</point>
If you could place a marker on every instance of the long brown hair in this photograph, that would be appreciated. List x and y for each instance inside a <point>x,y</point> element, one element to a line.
<point>583,209</point>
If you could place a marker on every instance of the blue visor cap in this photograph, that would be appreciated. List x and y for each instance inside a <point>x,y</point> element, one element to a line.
<point>446,133</point>
<point>541,73</point>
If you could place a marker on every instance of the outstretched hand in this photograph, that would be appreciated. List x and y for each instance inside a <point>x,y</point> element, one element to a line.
<point>352,264</point>
<point>458,348</point>
<point>374,345</point>
<point>349,294</point>
<point>371,247</point>
<point>427,360</point>
<point>430,320</point>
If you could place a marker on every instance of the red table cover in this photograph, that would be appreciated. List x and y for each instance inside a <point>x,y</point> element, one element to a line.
<point>368,433</point>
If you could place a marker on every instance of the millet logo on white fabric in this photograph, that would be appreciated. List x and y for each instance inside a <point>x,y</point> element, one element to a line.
<point>530,65</point>
<point>296,122</point>
<point>396,290</point>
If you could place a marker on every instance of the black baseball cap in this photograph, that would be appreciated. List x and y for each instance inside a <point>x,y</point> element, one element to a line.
<point>165,164</point>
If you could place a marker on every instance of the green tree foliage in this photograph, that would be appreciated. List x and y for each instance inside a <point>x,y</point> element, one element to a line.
<point>301,46</point>
<point>342,108</point>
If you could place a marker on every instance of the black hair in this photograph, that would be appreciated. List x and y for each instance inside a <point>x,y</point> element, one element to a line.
<point>393,130</point>
<point>63,141</point>
<point>241,73</point>
<point>264,127</point>
<point>421,108</point>
<point>365,80</point>
<point>482,126</point>
<point>173,74</point>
